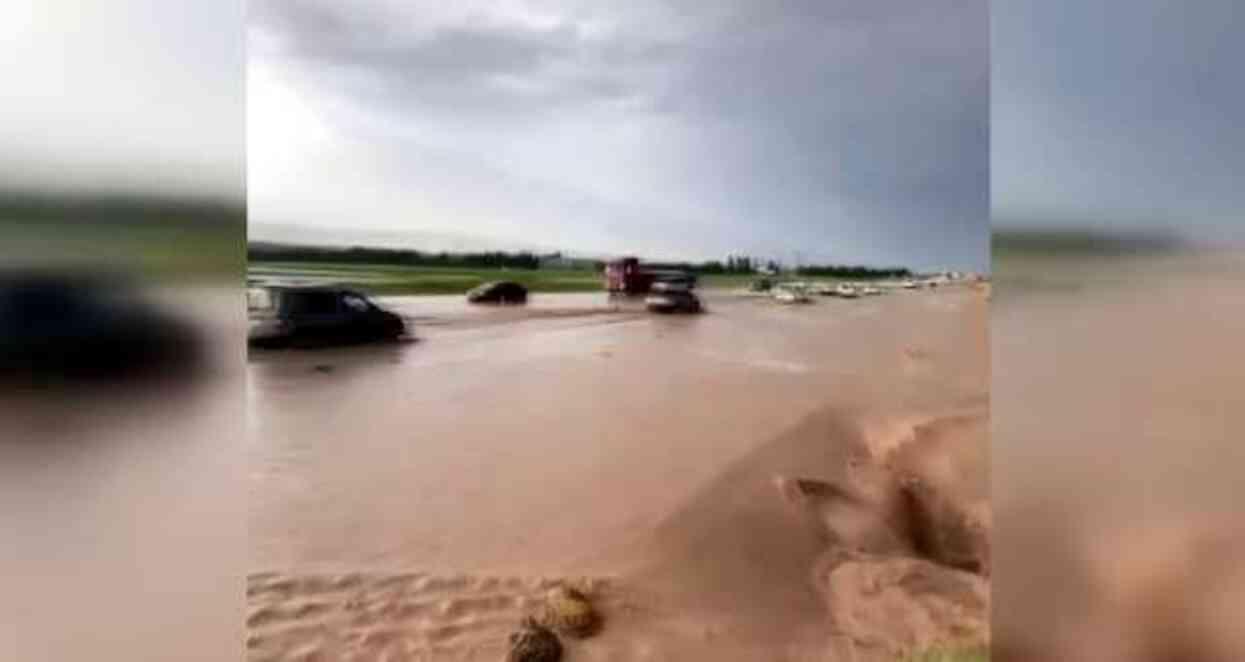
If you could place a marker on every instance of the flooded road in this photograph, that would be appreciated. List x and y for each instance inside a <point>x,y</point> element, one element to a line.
<point>552,439</point>
<point>124,506</point>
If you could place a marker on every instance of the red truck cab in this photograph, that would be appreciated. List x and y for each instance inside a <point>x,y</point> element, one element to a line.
<point>625,276</point>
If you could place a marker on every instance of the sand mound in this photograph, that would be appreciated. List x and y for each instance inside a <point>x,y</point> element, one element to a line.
<point>906,528</point>
<point>914,491</point>
<point>906,566</point>
<point>866,528</point>
<point>888,608</point>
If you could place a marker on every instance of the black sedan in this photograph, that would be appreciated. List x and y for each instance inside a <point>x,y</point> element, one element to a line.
<point>501,291</point>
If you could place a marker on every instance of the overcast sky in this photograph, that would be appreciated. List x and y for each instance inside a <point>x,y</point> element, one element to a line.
<point>1121,115</point>
<point>830,130</point>
<point>846,130</point>
<point>138,95</point>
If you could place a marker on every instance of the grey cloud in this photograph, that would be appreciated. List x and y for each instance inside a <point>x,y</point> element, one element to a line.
<point>476,66</point>
<point>858,126</point>
<point>1120,114</point>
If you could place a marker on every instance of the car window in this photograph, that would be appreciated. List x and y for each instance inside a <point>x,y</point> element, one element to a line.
<point>258,299</point>
<point>355,303</point>
<point>311,303</point>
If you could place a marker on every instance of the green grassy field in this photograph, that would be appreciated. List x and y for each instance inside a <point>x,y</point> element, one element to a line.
<point>952,655</point>
<point>398,279</point>
<point>152,250</point>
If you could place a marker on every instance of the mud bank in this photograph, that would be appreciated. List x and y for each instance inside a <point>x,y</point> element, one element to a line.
<point>802,542</point>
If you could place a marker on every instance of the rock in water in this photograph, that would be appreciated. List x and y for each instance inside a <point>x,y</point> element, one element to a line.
<point>534,643</point>
<point>570,612</point>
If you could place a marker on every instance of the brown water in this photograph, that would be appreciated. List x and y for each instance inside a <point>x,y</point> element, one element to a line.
<point>550,442</point>
<point>570,438</point>
<point>1118,411</point>
<point>123,510</point>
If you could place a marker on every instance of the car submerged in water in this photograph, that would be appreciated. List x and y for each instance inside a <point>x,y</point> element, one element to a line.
<point>283,316</point>
<point>501,291</point>
<point>89,326</point>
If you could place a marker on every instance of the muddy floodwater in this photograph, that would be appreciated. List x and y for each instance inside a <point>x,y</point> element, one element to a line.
<point>552,439</point>
<point>576,436</point>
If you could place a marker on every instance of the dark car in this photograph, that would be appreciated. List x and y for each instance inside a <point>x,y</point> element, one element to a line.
<point>283,316</point>
<point>87,326</point>
<point>502,291</point>
<point>672,300</point>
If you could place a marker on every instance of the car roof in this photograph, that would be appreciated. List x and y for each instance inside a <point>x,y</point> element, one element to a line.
<point>307,289</point>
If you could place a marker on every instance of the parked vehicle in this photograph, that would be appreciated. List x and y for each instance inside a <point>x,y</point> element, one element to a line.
<point>846,291</point>
<point>761,285</point>
<point>307,315</point>
<point>823,289</point>
<point>501,291</point>
<point>787,294</point>
<point>672,300</point>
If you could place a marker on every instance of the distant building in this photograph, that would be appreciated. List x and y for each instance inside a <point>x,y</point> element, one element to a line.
<point>557,261</point>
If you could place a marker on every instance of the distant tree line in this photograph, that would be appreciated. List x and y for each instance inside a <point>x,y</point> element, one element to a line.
<point>854,272</point>
<point>390,256</point>
<point>122,210</point>
<point>743,264</point>
<point>1087,243</point>
<point>734,264</point>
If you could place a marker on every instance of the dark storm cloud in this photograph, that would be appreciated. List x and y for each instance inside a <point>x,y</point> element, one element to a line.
<point>478,64</point>
<point>1121,114</point>
<point>844,130</point>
